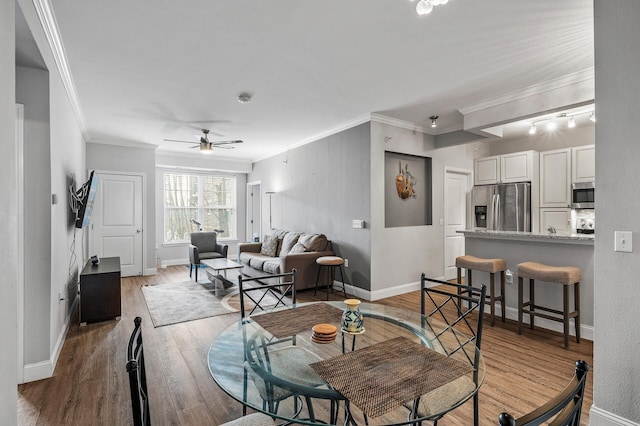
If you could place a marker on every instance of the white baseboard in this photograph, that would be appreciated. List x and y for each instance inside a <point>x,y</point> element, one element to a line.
<point>586,331</point>
<point>150,271</point>
<point>600,417</point>
<point>44,369</point>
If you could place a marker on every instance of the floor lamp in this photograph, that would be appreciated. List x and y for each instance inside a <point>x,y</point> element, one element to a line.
<point>270,193</point>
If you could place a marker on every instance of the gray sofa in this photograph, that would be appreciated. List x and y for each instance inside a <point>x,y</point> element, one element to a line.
<point>282,251</point>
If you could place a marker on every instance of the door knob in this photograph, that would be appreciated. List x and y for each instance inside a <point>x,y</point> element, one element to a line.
<point>138,231</point>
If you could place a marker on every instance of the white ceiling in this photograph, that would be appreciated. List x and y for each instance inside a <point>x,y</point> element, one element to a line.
<point>148,70</point>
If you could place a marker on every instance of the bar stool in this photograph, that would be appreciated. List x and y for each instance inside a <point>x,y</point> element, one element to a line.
<point>492,266</point>
<point>566,275</point>
<point>332,262</point>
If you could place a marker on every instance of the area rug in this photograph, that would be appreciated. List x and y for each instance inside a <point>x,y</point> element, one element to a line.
<point>190,300</point>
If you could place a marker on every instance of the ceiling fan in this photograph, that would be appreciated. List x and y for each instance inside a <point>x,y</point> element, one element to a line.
<point>205,145</point>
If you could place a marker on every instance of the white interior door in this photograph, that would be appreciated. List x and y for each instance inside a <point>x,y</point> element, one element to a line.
<point>116,223</point>
<point>456,187</point>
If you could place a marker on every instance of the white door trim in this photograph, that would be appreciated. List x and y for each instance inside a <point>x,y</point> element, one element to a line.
<point>250,205</point>
<point>469,175</point>
<point>143,175</point>
<point>20,233</point>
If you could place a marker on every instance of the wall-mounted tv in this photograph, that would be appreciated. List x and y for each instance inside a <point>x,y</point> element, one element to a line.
<point>87,195</point>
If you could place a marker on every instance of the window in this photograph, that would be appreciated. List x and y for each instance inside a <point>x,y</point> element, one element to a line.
<point>207,199</point>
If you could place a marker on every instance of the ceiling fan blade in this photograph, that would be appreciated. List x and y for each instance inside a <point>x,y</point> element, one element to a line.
<point>226,142</point>
<point>222,146</point>
<point>176,140</point>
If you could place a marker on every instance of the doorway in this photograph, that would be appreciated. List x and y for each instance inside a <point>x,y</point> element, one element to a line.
<point>254,210</point>
<point>457,184</point>
<point>116,226</point>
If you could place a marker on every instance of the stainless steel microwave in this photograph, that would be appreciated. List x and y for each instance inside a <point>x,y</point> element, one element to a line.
<point>583,195</point>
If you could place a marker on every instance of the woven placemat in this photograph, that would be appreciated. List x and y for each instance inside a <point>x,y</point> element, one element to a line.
<point>293,321</point>
<point>382,377</point>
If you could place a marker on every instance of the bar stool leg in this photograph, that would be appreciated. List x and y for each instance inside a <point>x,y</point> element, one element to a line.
<point>503,301</point>
<point>520,304</point>
<point>532,303</point>
<point>344,291</point>
<point>492,297</point>
<point>317,280</point>
<point>330,285</point>
<point>469,278</point>
<point>576,307</point>
<point>565,314</point>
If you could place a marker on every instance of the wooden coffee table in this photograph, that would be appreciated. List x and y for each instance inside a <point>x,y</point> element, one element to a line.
<point>220,265</point>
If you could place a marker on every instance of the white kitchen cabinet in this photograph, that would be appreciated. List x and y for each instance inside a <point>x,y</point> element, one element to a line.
<point>486,170</point>
<point>506,168</point>
<point>517,167</point>
<point>583,164</point>
<point>555,178</point>
<point>560,219</point>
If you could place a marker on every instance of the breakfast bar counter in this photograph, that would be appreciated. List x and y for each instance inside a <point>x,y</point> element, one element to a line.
<point>550,249</point>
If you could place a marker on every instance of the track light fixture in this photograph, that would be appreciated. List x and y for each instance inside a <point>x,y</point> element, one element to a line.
<point>552,122</point>
<point>433,119</point>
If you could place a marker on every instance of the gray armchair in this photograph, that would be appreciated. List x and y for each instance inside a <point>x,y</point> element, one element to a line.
<point>204,245</point>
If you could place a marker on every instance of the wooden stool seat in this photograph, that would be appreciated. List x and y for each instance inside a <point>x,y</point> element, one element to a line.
<point>553,274</point>
<point>492,266</point>
<point>568,276</point>
<point>331,262</point>
<point>479,264</point>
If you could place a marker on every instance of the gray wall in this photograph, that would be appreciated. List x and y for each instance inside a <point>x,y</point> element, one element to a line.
<point>32,90</point>
<point>616,348</point>
<point>8,216</point>
<point>399,255</point>
<point>114,158</point>
<point>324,186</point>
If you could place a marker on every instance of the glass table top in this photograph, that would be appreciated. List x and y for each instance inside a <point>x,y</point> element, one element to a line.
<point>237,363</point>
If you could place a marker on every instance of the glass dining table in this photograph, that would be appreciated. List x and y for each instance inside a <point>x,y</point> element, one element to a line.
<point>401,355</point>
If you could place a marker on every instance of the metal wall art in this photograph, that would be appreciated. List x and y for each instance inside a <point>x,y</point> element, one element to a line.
<point>405,182</point>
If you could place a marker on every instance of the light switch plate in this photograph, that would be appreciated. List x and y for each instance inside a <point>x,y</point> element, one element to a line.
<point>623,241</point>
<point>357,223</point>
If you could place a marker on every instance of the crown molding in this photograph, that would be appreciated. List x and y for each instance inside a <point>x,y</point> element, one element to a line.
<point>567,80</point>
<point>383,119</point>
<point>123,142</point>
<point>52,33</point>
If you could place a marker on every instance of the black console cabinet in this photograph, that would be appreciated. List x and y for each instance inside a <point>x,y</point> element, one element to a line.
<point>100,291</point>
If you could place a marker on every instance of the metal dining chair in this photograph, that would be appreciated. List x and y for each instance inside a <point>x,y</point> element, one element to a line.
<point>275,356</point>
<point>456,306</point>
<point>565,408</point>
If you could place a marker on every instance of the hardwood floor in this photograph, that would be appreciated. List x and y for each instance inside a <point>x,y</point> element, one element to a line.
<point>90,385</point>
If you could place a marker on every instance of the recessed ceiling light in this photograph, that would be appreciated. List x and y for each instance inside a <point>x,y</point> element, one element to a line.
<point>244,98</point>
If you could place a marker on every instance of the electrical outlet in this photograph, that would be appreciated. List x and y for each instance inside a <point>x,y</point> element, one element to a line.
<point>623,241</point>
<point>346,263</point>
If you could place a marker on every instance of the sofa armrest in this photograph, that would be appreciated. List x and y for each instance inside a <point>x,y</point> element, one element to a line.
<point>249,247</point>
<point>194,255</point>
<point>302,260</point>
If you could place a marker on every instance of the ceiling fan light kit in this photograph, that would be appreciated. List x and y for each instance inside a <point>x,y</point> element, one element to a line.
<point>425,7</point>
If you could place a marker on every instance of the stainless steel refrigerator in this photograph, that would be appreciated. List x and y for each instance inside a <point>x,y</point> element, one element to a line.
<point>502,207</point>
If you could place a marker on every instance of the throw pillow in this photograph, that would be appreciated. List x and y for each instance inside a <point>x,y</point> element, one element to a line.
<point>289,240</point>
<point>297,248</point>
<point>269,245</point>
<point>313,242</point>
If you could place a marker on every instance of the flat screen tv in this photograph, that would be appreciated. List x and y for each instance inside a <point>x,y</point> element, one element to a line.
<point>87,195</point>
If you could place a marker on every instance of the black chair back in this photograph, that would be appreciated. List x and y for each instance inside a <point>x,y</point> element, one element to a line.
<point>566,406</point>
<point>262,294</point>
<point>461,334</point>
<point>138,377</point>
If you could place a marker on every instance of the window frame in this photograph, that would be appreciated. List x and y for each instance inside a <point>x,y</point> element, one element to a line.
<point>201,206</point>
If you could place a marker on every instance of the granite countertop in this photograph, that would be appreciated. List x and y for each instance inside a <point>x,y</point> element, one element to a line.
<point>538,236</point>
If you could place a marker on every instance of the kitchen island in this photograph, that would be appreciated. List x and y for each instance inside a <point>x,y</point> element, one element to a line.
<point>543,247</point>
